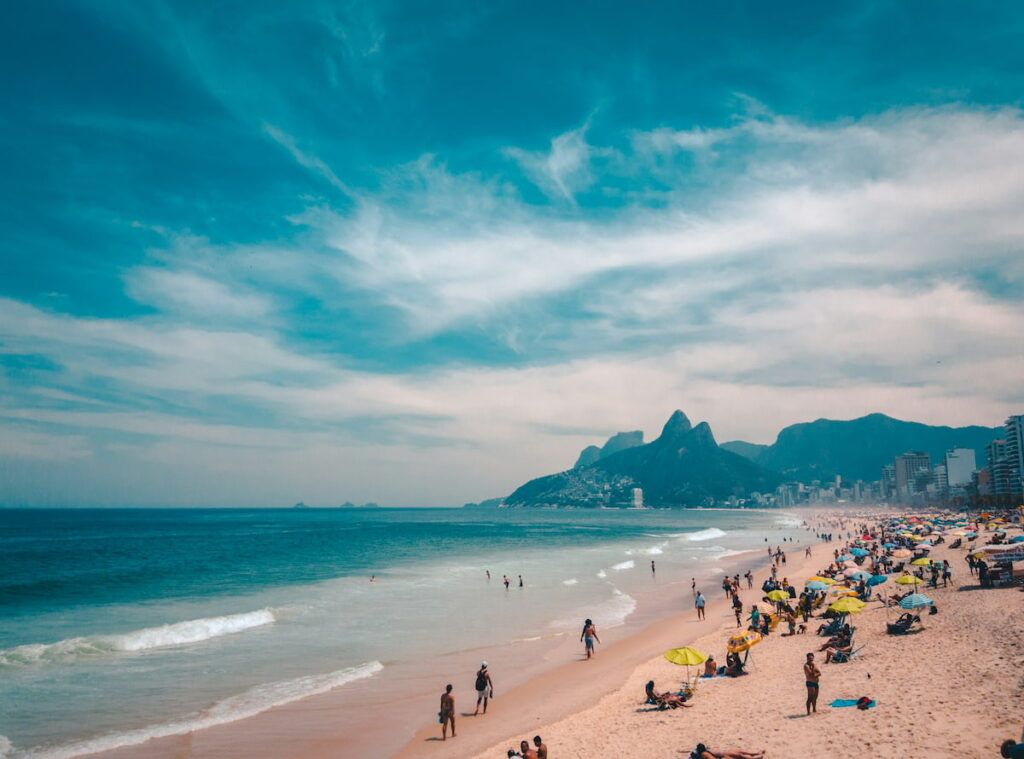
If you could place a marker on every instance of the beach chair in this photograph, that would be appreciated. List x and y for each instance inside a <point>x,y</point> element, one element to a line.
<point>840,658</point>
<point>832,627</point>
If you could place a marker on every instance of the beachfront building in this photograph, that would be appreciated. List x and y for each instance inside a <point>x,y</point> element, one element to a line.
<point>960,465</point>
<point>1013,434</point>
<point>913,472</point>
<point>638,498</point>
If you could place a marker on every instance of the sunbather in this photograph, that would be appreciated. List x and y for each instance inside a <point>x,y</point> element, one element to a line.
<point>733,665</point>
<point>838,653</point>
<point>710,667</point>
<point>703,752</point>
<point>670,700</point>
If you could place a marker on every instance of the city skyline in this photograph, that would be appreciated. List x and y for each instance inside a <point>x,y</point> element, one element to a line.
<point>390,253</point>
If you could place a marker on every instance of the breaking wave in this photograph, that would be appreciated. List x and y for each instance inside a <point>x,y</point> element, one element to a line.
<point>163,636</point>
<point>708,534</point>
<point>624,565</point>
<point>247,704</point>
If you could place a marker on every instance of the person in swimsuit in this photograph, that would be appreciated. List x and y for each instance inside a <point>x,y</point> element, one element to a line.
<point>525,751</point>
<point>589,636</point>
<point>811,677</point>
<point>447,713</point>
<point>542,750</point>
<point>703,752</point>
<point>484,687</point>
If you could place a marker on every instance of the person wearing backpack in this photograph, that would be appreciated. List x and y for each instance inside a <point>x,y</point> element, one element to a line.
<point>484,687</point>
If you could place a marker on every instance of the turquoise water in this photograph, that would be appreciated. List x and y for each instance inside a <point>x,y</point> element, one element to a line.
<point>118,625</point>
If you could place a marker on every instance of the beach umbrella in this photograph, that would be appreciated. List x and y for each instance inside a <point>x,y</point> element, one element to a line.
<point>778,595</point>
<point>889,545</point>
<point>876,579</point>
<point>924,546</point>
<point>819,578</point>
<point>741,642</point>
<point>902,553</point>
<point>859,552</point>
<point>686,657</point>
<point>815,585</point>
<point>922,562</point>
<point>1017,539</point>
<point>845,557</point>
<point>909,580</point>
<point>847,606</point>
<point>916,601</point>
<point>859,576</point>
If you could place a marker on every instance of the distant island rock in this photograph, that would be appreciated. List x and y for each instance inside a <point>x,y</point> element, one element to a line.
<point>350,505</point>
<point>683,467</point>
<point>489,503</point>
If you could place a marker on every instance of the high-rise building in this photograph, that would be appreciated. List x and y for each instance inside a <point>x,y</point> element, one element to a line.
<point>940,478</point>
<point>887,485</point>
<point>1014,437</point>
<point>960,465</point>
<point>909,472</point>
<point>638,498</point>
<point>998,467</point>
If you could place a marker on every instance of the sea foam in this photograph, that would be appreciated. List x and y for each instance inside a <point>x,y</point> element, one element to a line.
<point>624,565</point>
<point>708,534</point>
<point>177,634</point>
<point>247,704</point>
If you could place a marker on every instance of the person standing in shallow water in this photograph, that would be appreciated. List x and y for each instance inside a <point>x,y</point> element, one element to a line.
<point>589,636</point>
<point>520,581</point>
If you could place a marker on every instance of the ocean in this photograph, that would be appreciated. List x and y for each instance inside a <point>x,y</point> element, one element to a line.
<point>120,625</point>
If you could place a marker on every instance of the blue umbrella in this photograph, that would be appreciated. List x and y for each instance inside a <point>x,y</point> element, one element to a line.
<point>915,601</point>
<point>859,552</point>
<point>845,557</point>
<point>971,535</point>
<point>877,579</point>
<point>815,585</point>
<point>1018,539</point>
<point>858,576</point>
<point>889,545</point>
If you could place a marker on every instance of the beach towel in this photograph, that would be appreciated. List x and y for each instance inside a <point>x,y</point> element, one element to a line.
<point>839,703</point>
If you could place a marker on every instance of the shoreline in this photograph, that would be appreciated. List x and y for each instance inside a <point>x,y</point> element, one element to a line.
<point>574,685</point>
<point>335,723</point>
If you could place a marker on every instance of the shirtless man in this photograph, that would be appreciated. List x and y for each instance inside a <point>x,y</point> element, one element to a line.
<point>525,751</point>
<point>588,636</point>
<point>811,677</point>
<point>542,749</point>
<point>447,713</point>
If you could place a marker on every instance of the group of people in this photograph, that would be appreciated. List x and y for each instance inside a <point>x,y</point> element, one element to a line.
<point>484,686</point>
<point>537,751</point>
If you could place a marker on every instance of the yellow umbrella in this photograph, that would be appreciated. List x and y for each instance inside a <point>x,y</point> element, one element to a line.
<point>686,656</point>
<point>826,580</point>
<point>778,595</point>
<point>847,606</point>
<point>737,644</point>
<point>922,562</point>
<point>909,580</point>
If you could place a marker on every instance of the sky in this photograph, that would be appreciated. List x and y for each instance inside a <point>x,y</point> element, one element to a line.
<point>418,253</point>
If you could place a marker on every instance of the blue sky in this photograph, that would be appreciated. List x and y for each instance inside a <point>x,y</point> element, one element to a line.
<point>417,253</point>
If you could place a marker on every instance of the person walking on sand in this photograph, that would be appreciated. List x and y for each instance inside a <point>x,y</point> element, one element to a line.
<point>750,579</point>
<point>699,604</point>
<point>484,688</point>
<point>447,713</point>
<point>811,677</point>
<point>589,636</point>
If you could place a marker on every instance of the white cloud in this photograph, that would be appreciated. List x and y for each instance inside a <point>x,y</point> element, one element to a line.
<point>564,170</point>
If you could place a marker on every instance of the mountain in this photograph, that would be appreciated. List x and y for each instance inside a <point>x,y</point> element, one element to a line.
<point>683,467</point>
<point>857,449</point>
<point>747,450</point>
<point>620,441</point>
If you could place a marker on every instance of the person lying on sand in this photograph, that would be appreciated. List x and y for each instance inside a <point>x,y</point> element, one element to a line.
<point>672,700</point>
<point>703,752</point>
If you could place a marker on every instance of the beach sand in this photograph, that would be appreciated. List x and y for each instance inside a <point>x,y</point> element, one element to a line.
<point>954,689</point>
